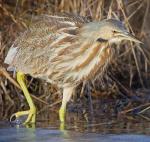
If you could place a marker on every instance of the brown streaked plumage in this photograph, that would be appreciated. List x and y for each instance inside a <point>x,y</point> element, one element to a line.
<point>66,50</point>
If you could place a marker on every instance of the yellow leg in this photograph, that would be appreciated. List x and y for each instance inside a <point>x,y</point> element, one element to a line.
<point>62,112</point>
<point>32,111</point>
<point>67,93</point>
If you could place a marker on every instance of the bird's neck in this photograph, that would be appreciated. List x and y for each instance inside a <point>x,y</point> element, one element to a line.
<point>89,61</point>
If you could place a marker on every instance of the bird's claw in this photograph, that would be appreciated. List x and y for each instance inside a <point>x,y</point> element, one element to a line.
<point>14,118</point>
<point>30,118</point>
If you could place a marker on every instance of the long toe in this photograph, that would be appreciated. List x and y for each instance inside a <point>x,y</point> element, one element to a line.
<point>31,116</point>
<point>19,117</point>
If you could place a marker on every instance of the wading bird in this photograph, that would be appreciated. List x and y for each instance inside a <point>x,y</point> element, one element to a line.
<point>64,50</point>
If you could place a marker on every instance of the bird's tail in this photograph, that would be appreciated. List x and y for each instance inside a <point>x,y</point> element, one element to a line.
<point>10,57</point>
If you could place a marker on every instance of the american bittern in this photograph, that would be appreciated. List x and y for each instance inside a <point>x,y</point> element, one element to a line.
<point>64,50</point>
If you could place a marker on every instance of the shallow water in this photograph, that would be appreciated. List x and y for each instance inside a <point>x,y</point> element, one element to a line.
<point>50,135</point>
<point>100,129</point>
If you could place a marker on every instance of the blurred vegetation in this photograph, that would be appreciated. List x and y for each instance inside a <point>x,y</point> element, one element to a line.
<point>124,90</point>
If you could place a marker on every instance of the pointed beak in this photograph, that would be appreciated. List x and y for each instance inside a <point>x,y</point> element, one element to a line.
<point>130,37</point>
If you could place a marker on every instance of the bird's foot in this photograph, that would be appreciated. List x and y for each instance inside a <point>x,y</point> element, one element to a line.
<point>30,118</point>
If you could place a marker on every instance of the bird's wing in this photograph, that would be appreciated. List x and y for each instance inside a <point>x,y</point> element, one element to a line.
<point>45,32</point>
<point>57,23</point>
<point>64,20</point>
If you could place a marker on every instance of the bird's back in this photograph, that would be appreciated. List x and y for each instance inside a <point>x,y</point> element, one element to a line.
<point>53,49</point>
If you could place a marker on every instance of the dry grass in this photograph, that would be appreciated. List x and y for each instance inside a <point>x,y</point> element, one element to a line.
<point>129,71</point>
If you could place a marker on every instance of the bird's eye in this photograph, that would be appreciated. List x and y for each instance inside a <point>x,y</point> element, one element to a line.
<point>115,32</point>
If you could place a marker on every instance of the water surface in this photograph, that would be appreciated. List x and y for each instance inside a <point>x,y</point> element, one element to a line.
<point>78,130</point>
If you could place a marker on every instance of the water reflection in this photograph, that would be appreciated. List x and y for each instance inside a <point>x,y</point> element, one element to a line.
<point>51,135</point>
<point>102,128</point>
<point>103,124</point>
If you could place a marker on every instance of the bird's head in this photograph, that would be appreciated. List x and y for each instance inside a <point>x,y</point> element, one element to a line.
<point>110,30</point>
<point>114,31</point>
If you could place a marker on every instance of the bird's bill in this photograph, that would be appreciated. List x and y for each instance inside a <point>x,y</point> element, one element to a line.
<point>130,37</point>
